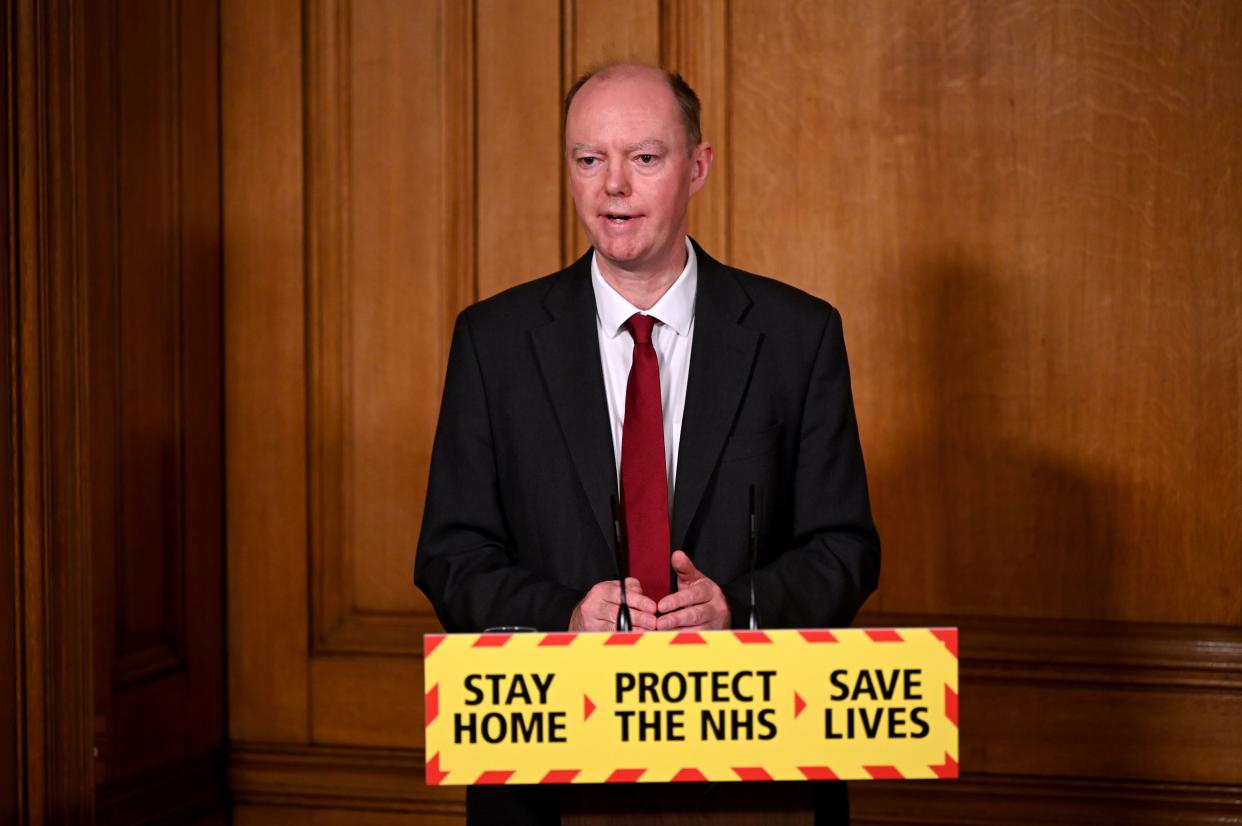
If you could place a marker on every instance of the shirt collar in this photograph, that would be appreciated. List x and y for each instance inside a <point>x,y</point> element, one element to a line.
<point>675,309</point>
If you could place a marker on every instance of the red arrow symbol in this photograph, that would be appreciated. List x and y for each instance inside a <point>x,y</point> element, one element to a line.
<point>799,704</point>
<point>588,708</point>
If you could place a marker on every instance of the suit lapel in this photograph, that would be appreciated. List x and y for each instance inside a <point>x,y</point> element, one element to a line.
<point>568,353</point>
<point>720,364</point>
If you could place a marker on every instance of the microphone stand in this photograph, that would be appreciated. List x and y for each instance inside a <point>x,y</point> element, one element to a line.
<point>623,612</point>
<point>753,622</point>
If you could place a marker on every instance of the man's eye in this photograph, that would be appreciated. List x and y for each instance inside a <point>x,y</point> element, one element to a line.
<point>587,161</point>
<point>646,159</point>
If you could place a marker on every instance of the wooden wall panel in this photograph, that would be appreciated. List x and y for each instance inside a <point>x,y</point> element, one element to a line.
<point>386,277</point>
<point>1021,211</point>
<point>265,380</point>
<point>401,287</point>
<point>519,152</point>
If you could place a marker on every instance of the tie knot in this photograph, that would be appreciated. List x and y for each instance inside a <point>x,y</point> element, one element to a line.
<point>640,327</point>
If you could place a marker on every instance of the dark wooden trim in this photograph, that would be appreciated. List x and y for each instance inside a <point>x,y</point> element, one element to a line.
<point>1129,655</point>
<point>53,594</point>
<point>337,777</point>
<point>11,780</point>
<point>177,793</point>
<point>390,780</point>
<point>976,800</point>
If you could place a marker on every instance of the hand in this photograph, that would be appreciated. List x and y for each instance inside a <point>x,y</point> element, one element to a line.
<point>699,604</point>
<point>598,609</point>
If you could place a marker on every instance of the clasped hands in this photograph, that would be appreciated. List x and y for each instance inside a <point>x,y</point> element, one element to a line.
<point>697,605</point>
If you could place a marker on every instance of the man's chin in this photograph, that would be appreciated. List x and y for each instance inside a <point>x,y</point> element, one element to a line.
<point>626,256</point>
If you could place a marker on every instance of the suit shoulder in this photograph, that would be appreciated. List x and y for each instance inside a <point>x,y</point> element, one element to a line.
<point>518,307</point>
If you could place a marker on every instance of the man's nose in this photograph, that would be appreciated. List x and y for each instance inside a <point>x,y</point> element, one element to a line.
<point>617,179</point>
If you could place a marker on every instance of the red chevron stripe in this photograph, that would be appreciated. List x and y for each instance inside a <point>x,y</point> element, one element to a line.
<point>494,778</point>
<point>430,641</point>
<point>432,706</point>
<point>752,637</point>
<point>491,640</point>
<point>883,635</point>
<point>689,776</point>
<point>818,773</point>
<point>623,638</point>
<point>950,704</point>
<point>560,776</point>
<point>884,773</point>
<point>946,770</point>
<point>687,638</point>
<point>752,773</point>
<point>948,636</point>
<point>434,776</point>
<point>818,636</point>
<point>558,639</point>
<point>625,776</point>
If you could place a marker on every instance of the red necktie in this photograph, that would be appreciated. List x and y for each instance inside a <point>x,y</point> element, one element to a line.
<point>644,479</point>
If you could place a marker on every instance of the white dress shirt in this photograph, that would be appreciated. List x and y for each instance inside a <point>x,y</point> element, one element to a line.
<point>671,339</point>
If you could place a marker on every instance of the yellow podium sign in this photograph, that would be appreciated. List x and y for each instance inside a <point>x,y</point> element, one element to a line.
<point>691,706</point>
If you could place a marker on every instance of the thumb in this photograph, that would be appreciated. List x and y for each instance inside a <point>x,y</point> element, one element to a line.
<point>686,572</point>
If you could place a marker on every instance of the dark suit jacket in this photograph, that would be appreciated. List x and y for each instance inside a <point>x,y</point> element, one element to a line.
<point>518,523</point>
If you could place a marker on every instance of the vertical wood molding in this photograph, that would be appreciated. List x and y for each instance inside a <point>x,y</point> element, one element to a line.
<point>54,598</point>
<point>326,90</point>
<point>569,74</point>
<point>694,42</point>
<point>11,767</point>
<point>459,210</point>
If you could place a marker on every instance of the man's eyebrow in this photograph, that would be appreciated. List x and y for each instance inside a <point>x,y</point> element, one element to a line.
<point>650,143</point>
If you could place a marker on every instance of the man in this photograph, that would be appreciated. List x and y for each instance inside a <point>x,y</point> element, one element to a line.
<point>649,370</point>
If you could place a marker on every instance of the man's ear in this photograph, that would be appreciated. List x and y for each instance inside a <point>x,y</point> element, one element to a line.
<point>700,166</point>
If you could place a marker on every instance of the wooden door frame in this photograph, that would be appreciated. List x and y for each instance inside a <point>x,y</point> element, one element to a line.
<point>47,755</point>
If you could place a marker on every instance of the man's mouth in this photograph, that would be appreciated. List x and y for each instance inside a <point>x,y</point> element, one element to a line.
<point>618,217</point>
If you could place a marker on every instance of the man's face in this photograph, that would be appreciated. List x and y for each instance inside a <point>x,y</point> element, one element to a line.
<point>629,169</point>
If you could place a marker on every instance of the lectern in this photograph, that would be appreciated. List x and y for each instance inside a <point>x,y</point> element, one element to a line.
<point>683,725</point>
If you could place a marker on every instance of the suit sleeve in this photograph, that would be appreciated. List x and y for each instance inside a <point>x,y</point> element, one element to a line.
<point>466,563</point>
<point>833,563</point>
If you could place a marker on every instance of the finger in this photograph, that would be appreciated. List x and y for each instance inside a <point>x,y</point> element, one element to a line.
<point>694,594</point>
<point>643,620</point>
<point>691,617</point>
<point>611,598</point>
<point>686,572</point>
<point>605,610</point>
<point>610,592</point>
<point>640,602</point>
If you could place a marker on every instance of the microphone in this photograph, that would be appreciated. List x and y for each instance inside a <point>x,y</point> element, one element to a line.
<point>623,612</point>
<point>753,623</point>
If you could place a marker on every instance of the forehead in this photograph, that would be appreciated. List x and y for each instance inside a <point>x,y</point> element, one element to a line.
<point>628,108</point>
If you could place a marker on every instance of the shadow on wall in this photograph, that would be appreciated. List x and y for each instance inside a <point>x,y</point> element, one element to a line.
<point>1004,497</point>
<point>984,508</point>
